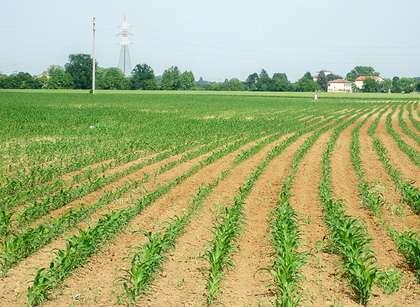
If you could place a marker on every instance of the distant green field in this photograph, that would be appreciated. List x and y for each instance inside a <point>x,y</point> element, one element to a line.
<point>69,129</point>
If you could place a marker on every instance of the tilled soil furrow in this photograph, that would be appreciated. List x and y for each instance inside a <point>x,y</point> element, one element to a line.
<point>96,282</point>
<point>382,182</point>
<point>183,277</point>
<point>322,283</point>
<point>13,286</point>
<point>249,282</point>
<point>398,158</point>
<point>384,249</point>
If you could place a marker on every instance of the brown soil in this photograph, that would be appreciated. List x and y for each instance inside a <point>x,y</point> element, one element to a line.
<point>249,282</point>
<point>398,158</point>
<point>13,287</point>
<point>184,274</point>
<point>345,186</point>
<point>381,181</point>
<point>96,283</point>
<point>322,271</point>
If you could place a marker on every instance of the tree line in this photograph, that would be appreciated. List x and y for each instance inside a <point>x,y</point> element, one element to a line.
<point>77,74</point>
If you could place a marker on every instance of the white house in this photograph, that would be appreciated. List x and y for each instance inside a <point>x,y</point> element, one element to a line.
<point>360,81</point>
<point>340,85</point>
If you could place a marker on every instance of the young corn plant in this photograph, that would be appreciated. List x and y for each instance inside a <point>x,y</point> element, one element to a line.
<point>409,245</point>
<point>348,234</point>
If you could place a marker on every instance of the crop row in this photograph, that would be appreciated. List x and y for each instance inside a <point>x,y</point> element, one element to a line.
<point>348,234</point>
<point>230,225</point>
<point>407,149</point>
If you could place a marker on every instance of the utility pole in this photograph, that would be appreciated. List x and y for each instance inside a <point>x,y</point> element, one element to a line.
<point>93,55</point>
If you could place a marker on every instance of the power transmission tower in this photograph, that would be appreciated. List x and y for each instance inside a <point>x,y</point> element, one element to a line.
<point>93,55</point>
<point>124,62</point>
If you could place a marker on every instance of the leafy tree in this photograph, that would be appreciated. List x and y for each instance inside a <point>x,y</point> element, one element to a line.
<point>57,78</point>
<point>233,85</point>
<point>407,85</point>
<point>3,81</point>
<point>143,78</point>
<point>171,79</point>
<point>264,82</point>
<point>251,82</point>
<point>361,71</point>
<point>186,80</point>
<point>395,85</point>
<point>331,77</point>
<point>370,85</point>
<point>280,83</point>
<point>306,83</point>
<point>322,81</point>
<point>418,86</point>
<point>111,79</point>
<point>80,69</point>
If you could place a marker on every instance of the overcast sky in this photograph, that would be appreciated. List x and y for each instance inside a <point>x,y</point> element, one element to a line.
<point>219,38</point>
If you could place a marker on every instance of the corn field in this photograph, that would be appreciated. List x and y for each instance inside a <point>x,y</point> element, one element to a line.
<point>194,199</point>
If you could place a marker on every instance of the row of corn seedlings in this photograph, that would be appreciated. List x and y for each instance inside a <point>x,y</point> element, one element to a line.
<point>388,280</point>
<point>38,210</point>
<point>370,197</point>
<point>80,247</point>
<point>285,234</point>
<point>408,242</point>
<point>348,234</point>
<point>229,228</point>
<point>20,245</point>
<point>409,192</point>
<point>148,258</point>
<point>405,129</point>
<point>412,153</point>
<point>416,124</point>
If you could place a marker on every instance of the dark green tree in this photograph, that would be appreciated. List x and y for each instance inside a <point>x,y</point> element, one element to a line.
<point>306,83</point>
<point>361,71</point>
<point>171,79</point>
<point>371,86</point>
<point>143,78</point>
<point>322,81</point>
<point>264,82</point>
<point>186,80</point>
<point>111,79</point>
<point>280,83</point>
<point>251,82</point>
<point>80,69</point>
<point>58,78</point>
<point>395,85</point>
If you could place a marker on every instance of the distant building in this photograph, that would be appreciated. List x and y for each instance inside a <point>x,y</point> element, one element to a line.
<point>340,85</point>
<point>360,81</point>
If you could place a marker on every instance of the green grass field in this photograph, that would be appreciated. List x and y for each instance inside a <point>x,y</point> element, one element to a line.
<point>238,198</point>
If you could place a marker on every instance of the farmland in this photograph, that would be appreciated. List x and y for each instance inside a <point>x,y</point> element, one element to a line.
<point>183,198</point>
